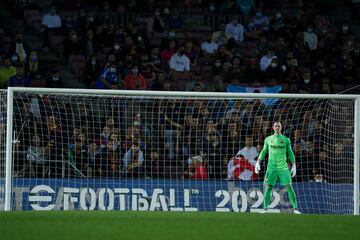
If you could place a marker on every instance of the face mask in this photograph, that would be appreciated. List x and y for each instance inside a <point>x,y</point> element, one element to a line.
<point>166,11</point>
<point>324,30</point>
<point>55,78</point>
<point>310,29</point>
<point>91,19</point>
<point>116,47</point>
<point>217,64</point>
<point>112,69</point>
<point>212,8</point>
<point>274,65</point>
<point>135,71</point>
<point>171,34</point>
<point>93,62</point>
<point>258,14</point>
<point>139,39</point>
<point>157,13</point>
<point>278,15</point>
<point>306,81</point>
<point>14,59</point>
<point>345,28</point>
<point>318,180</point>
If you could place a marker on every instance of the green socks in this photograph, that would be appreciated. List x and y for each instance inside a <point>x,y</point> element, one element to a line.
<point>290,190</point>
<point>267,196</point>
<point>292,196</point>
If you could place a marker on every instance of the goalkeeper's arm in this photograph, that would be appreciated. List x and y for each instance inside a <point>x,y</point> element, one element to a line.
<point>261,157</point>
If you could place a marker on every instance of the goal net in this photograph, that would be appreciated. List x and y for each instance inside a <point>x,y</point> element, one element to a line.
<point>2,147</point>
<point>118,150</point>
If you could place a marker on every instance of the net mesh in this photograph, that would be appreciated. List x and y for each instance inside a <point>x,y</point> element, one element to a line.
<point>175,153</point>
<point>2,147</point>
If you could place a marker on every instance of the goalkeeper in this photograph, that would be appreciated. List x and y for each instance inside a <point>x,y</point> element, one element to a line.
<point>279,147</point>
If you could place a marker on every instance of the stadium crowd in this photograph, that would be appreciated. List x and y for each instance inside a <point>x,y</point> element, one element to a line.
<point>193,46</point>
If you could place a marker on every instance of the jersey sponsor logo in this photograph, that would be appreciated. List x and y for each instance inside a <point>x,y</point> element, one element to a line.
<point>277,146</point>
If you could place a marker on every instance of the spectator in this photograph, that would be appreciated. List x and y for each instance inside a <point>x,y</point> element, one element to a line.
<point>266,60</point>
<point>305,84</point>
<point>7,70</point>
<point>135,80</point>
<point>249,151</point>
<point>92,70</point>
<point>111,160</point>
<point>51,24</point>
<point>109,77</point>
<point>260,21</point>
<point>32,68</point>
<point>349,73</point>
<point>133,162</point>
<point>252,72</point>
<point>209,46</point>
<point>89,44</point>
<point>190,52</point>
<point>179,62</point>
<point>36,158</point>
<point>216,158</point>
<point>20,79</point>
<point>93,166</point>
<point>19,48</point>
<point>174,21</point>
<point>169,52</point>
<point>72,45</point>
<point>54,81</point>
<point>310,38</point>
<point>236,32</point>
<point>155,24</point>
<point>274,71</point>
<point>159,82</point>
<point>155,59</point>
<point>221,37</point>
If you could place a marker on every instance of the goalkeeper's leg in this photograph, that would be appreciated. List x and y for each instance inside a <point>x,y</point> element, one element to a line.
<point>267,196</point>
<point>292,196</point>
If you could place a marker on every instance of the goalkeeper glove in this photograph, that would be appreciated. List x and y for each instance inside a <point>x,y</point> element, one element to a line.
<point>257,167</point>
<point>293,170</point>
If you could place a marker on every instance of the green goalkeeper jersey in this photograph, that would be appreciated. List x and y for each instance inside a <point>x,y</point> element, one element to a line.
<point>278,147</point>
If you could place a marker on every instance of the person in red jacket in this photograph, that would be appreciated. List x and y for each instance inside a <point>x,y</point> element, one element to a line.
<point>135,80</point>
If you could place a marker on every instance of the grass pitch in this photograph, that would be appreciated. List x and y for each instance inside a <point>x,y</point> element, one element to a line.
<point>170,226</point>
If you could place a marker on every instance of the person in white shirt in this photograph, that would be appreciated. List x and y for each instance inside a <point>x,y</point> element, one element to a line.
<point>208,46</point>
<point>249,152</point>
<point>266,60</point>
<point>179,62</point>
<point>235,30</point>
<point>51,23</point>
<point>310,38</point>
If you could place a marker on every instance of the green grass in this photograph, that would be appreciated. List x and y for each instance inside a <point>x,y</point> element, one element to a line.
<point>166,225</point>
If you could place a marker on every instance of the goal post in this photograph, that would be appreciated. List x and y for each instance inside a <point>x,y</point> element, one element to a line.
<point>72,149</point>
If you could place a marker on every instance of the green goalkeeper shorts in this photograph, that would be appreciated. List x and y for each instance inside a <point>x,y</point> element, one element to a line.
<point>272,176</point>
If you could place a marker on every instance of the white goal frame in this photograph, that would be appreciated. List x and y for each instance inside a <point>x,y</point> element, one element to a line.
<point>12,90</point>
